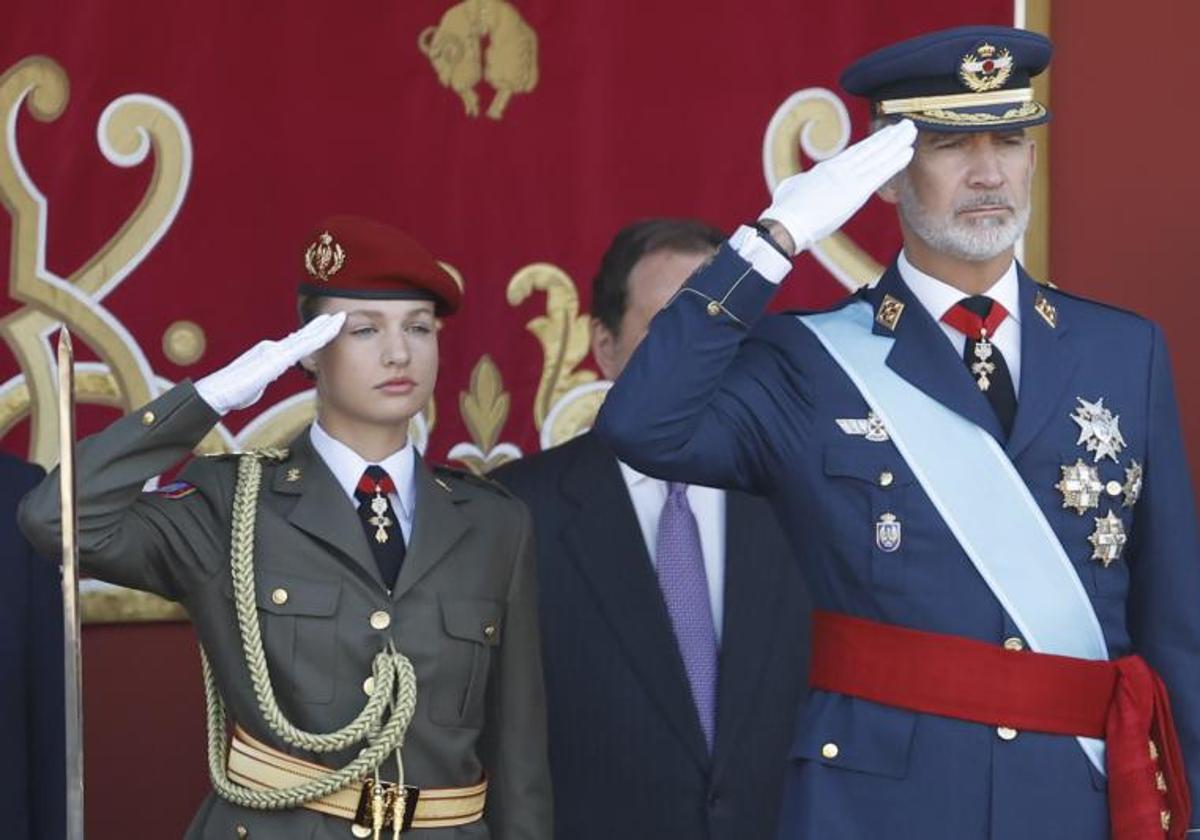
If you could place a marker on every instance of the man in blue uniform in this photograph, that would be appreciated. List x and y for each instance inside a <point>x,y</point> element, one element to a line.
<point>987,477</point>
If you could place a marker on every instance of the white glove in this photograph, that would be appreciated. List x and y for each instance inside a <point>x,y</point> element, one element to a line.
<point>241,382</point>
<point>813,204</point>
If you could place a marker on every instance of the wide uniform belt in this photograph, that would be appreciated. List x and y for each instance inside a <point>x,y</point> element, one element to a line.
<point>261,767</point>
<point>1122,701</point>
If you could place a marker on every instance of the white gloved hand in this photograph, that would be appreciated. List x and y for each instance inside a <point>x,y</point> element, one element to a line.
<point>241,382</point>
<point>813,204</point>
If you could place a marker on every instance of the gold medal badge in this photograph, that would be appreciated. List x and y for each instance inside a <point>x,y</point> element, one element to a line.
<point>985,68</point>
<point>324,257</point>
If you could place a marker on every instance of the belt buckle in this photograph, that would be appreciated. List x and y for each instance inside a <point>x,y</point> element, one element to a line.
<point>388,791</point>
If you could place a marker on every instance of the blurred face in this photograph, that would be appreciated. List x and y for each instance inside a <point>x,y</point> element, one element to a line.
<point>966,194</point>
<point>655,278</point>
<point>382,367</point>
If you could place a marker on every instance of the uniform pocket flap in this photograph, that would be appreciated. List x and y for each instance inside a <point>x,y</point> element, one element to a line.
<point>874,462</point>
<point>473,619</point>
<point>286,594</point>
<point>853,734</point>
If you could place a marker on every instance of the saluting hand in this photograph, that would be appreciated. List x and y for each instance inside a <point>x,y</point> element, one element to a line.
<point>241,382</point>
<point>813,204</point>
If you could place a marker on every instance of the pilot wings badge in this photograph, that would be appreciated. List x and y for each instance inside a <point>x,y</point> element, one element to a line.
<point>871,427</point>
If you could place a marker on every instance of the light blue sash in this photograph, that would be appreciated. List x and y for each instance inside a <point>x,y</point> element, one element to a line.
<point>957,464</point>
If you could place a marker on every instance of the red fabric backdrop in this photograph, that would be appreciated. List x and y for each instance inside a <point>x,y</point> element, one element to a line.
<point>300,110</point>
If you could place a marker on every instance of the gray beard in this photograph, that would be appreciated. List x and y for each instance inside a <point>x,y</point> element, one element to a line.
<point>975,241</point>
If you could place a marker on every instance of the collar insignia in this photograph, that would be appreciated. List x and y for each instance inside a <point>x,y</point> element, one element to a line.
<point>889,312</point>
<point>1046,309</point>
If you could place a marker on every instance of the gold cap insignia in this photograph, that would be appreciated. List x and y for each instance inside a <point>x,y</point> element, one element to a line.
<point>1046,309</point>
<point>889,312</point>
<point>986,68</point>
<point>324,258</point>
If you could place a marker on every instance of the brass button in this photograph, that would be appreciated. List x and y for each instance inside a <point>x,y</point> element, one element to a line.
<point>1006,733</point>
<point>1114,488</point>
<point>241,831</point>
<point>489,631</point>
<point>830,750</point>
<point>714,308</point>
<point>279,597</point>
<point>886,478</point>
<point>381,620</point>
<point>148,418</point>
<point>1014,643</point>
<point>369,686</point>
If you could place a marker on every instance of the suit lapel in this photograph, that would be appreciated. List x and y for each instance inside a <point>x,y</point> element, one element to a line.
<point>1046,367</point>
<point>323,510</point>
<point>437,525</point>
<point>751,614</point>
<point>605,541</point>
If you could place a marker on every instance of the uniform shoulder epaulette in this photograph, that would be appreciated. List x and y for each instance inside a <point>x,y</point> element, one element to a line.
<point>1057,291</point>
<point>446,477</point>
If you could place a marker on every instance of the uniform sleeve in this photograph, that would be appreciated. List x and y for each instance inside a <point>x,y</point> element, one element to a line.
<point>141,540</point>
<point>697,399</point>
<point>1164,605</point>
<point>513,745</point>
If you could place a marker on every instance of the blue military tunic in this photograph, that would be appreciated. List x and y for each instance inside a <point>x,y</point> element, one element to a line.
<point>720,394</point>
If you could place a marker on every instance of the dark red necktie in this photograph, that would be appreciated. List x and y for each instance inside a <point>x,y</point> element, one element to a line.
<point>380,522</point>
<point>978,318</point>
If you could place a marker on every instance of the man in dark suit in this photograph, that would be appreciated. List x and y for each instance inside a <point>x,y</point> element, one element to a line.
<point>32,777</point>
<point>674,624</point>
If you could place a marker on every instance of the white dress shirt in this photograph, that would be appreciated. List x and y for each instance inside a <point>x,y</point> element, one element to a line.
<point>708,506</point>
<point>348,467</point>
<point>938,297</point>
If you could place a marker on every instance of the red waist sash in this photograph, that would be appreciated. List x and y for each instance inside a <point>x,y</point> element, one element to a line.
<point>1123,702</point>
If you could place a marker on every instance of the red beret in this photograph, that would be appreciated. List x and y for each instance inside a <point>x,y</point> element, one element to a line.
<point>353,257</point>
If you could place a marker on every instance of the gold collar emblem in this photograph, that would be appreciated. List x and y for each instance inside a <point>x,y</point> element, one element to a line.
<point>1046,309</point>
<point>324,257</point>
<point>986,68</point>
<point>889,312</point>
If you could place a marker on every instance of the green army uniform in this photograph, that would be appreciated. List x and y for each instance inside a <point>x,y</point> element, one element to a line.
<point>462,610</point>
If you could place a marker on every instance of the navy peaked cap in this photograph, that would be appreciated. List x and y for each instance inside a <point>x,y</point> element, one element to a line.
<point>971,78</point>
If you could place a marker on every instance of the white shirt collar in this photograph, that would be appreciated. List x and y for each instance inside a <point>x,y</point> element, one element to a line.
<point>938,297</point>
<point>632,477</point>
<point>348,466</point>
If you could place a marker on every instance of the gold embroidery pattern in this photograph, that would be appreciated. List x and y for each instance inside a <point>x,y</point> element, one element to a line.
<point>484,408</point>
<point>941,116</point>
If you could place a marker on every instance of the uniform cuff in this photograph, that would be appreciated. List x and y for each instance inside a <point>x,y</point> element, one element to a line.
<point>766,259</point>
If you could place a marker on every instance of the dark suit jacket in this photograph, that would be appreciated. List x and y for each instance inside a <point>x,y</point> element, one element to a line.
<point>627,755</point>
<point>32,775</point>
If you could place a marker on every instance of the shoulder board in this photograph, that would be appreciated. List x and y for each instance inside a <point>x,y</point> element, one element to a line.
<point>447,477</point>
<point>1053,291</point>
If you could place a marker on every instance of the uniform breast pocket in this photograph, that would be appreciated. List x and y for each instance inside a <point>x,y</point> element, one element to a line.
<point>473,627</point>
<point>881,487</point>
<point>299,626</point>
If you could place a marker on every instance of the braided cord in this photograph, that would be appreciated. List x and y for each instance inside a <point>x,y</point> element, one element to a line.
<point>395,684</point>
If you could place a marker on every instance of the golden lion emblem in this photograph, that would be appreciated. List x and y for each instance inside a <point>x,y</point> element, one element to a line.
<point>455,49</point>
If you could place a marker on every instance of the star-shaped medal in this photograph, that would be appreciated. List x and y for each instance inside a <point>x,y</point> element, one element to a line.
<point>1108,540</point>
<point>1080,486</point>
<point>1133,483</point>
<point>1098,429</point>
